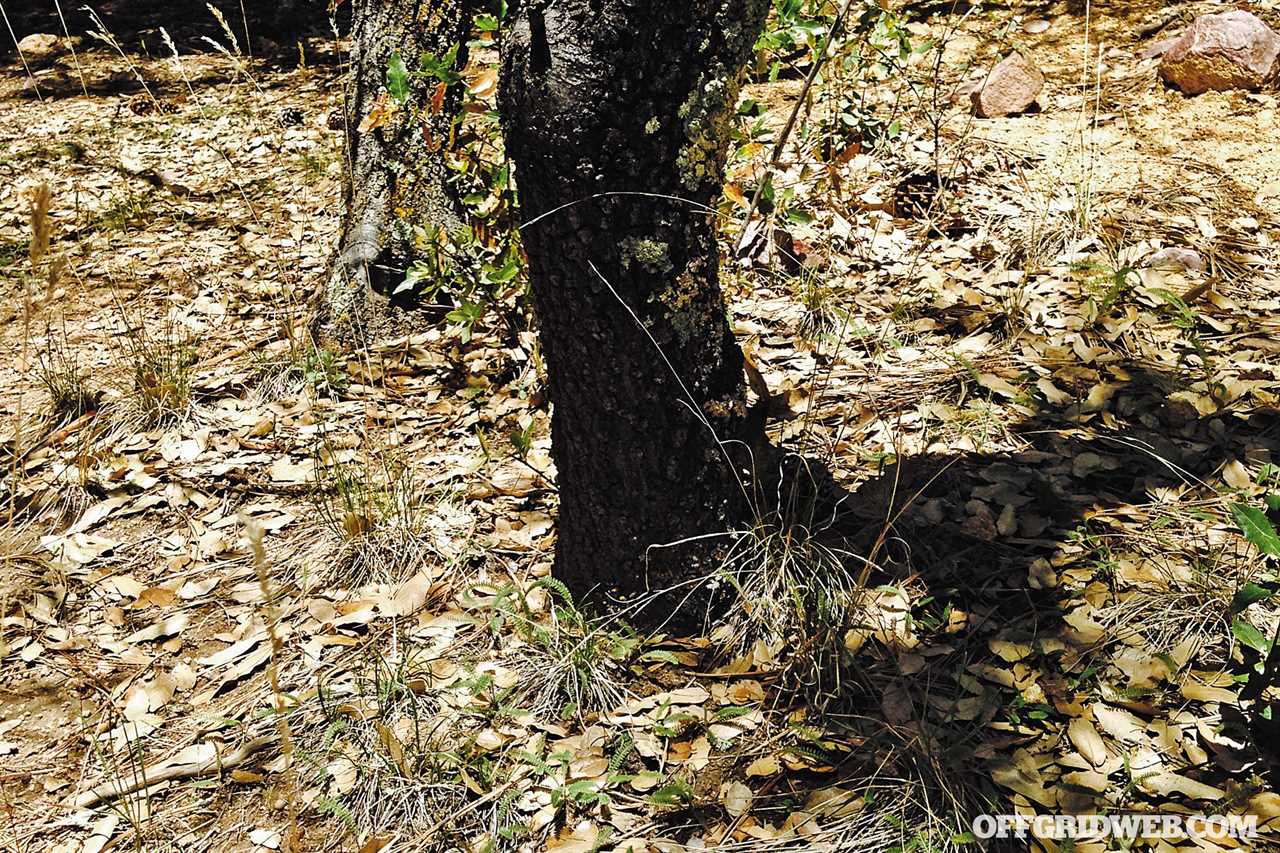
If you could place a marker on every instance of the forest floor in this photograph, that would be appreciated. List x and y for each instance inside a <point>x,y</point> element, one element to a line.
<point>1059,455</point>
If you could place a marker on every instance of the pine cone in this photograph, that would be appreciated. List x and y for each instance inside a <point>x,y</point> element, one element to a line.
<point>289,117</point>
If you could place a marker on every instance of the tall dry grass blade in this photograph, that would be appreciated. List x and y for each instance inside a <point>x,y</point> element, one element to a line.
<point>40,227</point>
<point>226,27</point>
<point>35,87</point>
<point>54,276</point>
<point>71,45</point>
<point>253,532</point>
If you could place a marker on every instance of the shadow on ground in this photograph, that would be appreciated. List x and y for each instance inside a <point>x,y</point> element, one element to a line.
<point>1002,549</point>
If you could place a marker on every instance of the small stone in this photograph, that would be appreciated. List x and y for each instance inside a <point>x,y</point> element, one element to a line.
<point>1228,50</point>
<point>1175,259</point>
<point>1011,87</point>
<point>40,48</point>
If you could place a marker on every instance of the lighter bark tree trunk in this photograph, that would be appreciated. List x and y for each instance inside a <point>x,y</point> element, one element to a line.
<point>396,177</point>
<point>650,418</point>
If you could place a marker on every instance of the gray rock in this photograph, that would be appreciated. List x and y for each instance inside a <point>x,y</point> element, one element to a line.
<point>41,48</point>
<point>1175,258</point>
<point>1011,87</point>
<point>1228,50</point>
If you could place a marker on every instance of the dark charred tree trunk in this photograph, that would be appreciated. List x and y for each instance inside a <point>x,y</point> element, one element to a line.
<point>650,422</point>
<point>397,186</point>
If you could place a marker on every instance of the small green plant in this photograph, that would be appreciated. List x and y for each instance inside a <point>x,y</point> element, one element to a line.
<point>1196,357</point>
<point>316,163</point>
<point>124,209</point>
<point>12,251</point>
<point>1261,652</point>
<point>795,26</point>
<point>1106,288</point>
<point>569,664</point>
<point>322,371</point>
<point>287,371</point>
<point>522,439</point>
<point>384,756</point>
<point>479,265</point>
<point>848,118</point>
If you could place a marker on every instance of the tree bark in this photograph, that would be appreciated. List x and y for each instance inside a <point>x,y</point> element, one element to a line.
<point>650,418</point>
<point>396,186</point>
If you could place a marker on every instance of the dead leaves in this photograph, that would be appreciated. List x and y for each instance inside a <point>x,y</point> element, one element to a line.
<point>380,114</point>
<point>954,343</point>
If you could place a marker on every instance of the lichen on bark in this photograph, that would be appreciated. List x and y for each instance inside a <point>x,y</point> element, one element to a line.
<point>707,112</point>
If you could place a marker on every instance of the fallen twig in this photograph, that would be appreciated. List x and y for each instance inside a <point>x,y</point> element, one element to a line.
<point>114,788</point>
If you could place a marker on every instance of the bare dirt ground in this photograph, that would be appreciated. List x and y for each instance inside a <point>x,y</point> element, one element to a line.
<point>1056,453</point>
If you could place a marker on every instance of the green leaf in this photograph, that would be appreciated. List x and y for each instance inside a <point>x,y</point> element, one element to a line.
<point>1185,318</point>
<point>441,67</point>
<point>1248,594</point>
<point>799,217</point>
<point>732,712</point>
<point>661,656</point>
<point>422,278</point>
<point>1257,528</point>
<point>397,78</point>
<point>1250,636</point>
<point>674,794</point>
<point>585,791</point>
<point>503,275</point>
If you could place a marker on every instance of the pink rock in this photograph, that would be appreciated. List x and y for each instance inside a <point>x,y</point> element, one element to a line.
<point>1229,50</point>
<point>1157,48</point>
<point>1009,89</point>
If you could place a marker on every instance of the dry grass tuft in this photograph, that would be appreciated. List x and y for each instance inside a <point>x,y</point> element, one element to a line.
<point>787,588</point>
<point>293,369</point>
<point>154,375</point>
<point>70,395</point>
<point>381,523</point>
<point>387,753</point>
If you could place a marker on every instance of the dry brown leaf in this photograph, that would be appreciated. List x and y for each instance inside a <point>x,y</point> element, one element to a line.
<point>384,108</point>
<point>1120,724</point>
<point>1085,738</point>
<point>765,766</point>
<point>1007,650</point>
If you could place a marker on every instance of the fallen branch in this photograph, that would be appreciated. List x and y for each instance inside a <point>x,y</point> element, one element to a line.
<point>163,772</point>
